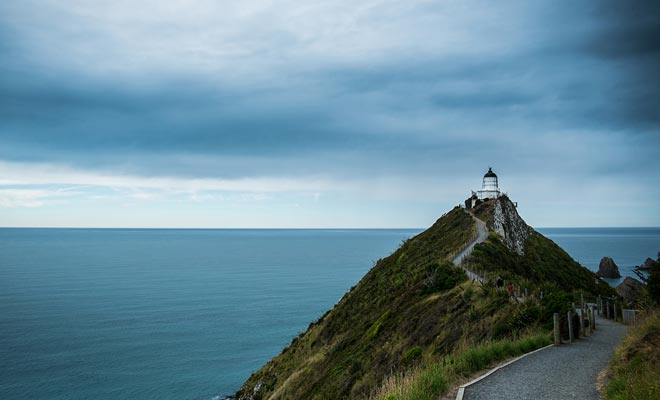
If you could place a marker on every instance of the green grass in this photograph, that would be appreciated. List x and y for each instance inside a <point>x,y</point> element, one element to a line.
<point>411,354</point>
<point>433,380</point>
<point>635,367</point>
<point>544,262</point>
<point>402,303</point>
<point>375,328</point>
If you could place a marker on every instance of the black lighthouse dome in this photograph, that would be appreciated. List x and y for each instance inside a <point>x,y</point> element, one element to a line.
<point>490,173</point>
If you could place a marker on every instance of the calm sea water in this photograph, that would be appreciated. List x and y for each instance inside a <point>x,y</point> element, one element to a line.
<point>628,247</point>
<point>164,314</point>
<point>188,314</point>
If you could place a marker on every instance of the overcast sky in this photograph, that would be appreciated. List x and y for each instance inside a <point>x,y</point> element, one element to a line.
<point>281,113</point>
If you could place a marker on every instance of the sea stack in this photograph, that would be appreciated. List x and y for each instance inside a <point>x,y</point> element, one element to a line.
<point>608,269</point>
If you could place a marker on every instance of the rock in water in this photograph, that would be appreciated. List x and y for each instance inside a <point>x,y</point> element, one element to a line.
<point>647,265</point>
<point>631,290</point>
<point>608,269</point>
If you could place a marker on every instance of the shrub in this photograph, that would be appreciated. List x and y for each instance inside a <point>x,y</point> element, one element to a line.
<point>654,281</point>
<point>442,275</point>
<point>526,316</point>
<point>431,384</point>
<point>372,332</point>
<point>411,354</point>
<point>556,301</point>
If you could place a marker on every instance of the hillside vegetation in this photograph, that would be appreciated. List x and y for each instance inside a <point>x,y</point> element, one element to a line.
<point>635,367</point>
<point>429,381</point>
<point>634,372</point>
<point>413,309</point>
<point>544,263</point>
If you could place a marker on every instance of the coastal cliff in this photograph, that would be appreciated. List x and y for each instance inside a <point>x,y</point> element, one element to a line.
<point>415,306</point>
<point>502,218</point>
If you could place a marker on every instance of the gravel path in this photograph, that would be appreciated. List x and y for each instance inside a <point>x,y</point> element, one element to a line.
<point>565,372</point>
<point>482,234</point>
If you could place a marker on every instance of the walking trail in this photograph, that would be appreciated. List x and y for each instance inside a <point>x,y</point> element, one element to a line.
<point>482,234</point>
<point>561,372</point>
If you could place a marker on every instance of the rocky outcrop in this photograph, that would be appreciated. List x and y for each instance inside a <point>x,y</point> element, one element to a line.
<point>608,269</point>
<point>631,290</point>
<point>646,266</point>
<point>508,224</point>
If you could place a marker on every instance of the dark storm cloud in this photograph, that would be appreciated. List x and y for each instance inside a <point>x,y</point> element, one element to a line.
<point>585,69</point>
<point>177,117</point>
<point>629,37</point>
<point>629,30</point>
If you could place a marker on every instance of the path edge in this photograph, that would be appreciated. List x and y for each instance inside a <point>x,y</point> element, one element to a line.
<point>461,389</point>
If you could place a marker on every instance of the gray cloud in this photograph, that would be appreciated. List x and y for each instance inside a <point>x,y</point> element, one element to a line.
<point>629,39</point>
<point>281,97</point>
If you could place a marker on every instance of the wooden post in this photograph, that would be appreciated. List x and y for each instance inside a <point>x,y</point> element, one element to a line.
<point>586,318</point>
<point>555,319</point>
<point>607,309</point>
<point>599,304</point>
<point>614,309</point>
<point>593,320</point>
<point>570,327</point>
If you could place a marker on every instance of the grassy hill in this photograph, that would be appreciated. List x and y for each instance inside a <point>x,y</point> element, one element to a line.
<point>634,372</point>
<point>414,307</point>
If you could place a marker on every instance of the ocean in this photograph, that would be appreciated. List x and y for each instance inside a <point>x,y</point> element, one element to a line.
<point>164,314</point>
<point>628,247</point>
<point>189,314</point>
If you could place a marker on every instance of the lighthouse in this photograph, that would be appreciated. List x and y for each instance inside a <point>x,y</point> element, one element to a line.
<point>489,188</point>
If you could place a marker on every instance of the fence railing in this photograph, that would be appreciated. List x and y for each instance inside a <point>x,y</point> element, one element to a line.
<point>581,320</point>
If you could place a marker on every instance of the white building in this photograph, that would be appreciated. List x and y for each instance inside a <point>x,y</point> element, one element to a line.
<point>489,188</point>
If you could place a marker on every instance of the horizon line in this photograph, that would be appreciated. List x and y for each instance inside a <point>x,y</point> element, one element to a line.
<point>299,228</point>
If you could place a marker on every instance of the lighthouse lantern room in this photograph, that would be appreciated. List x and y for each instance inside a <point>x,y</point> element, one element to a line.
<point>489,188</point>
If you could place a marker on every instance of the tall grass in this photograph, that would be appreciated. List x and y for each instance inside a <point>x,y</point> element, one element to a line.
<point>635,366</point>
<point>433,380</point>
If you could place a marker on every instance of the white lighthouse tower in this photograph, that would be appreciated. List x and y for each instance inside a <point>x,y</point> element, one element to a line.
<point>489,188</point>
